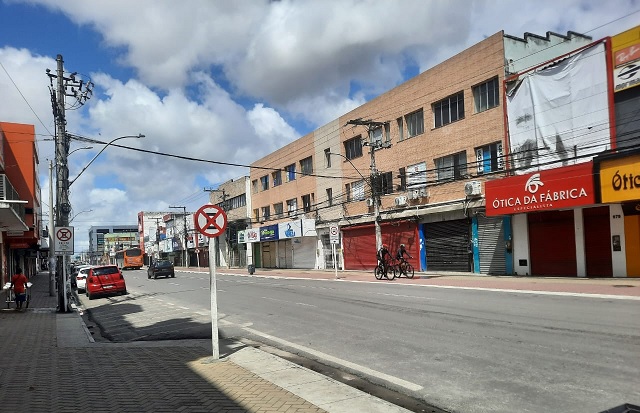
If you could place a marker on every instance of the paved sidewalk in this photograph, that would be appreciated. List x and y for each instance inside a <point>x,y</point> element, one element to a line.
<point>49,363</point>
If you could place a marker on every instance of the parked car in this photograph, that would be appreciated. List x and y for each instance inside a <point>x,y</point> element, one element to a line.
<point>105,279</point>
<point>81,278</point>
<point>161,268</point>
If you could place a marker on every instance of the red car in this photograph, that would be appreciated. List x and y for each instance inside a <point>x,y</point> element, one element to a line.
<point>105,279</point>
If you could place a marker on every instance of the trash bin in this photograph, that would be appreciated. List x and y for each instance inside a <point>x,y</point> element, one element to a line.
<point>251,268</point>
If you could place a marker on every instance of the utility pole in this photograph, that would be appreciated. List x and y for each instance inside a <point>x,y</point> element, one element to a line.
<point>375,175</point>
<point>65,86</point>
<point>157,237</point>
<point>184,217</point>
<point>52,254</point>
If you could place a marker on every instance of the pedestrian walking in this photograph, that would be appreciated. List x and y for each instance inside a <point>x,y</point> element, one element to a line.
<point>19,284</point>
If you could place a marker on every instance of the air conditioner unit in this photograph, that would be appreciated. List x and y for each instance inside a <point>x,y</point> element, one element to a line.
<point>370,202</point>
<point>473,188</point>
<point>401,200</point>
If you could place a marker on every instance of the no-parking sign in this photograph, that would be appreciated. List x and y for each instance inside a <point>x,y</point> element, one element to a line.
<point>210,220</point>
<point>334,234</point>
<point>63,241</point>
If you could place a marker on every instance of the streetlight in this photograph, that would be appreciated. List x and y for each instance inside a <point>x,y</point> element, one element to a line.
<point>81,212</point>
<point>374,194</point>
<point>78,149</point>
<point>101,150</point>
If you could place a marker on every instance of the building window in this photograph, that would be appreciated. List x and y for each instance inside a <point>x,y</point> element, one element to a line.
<point>415,123</point>
<point>416,176</point>
<point>403,179</point>
<point>330,196</point>
<point>290,172</point>
<point>386,183</point>
<point>266,212</point>
<point>292,206</point>
<point>452,167</point>
<point>277,210</point>
<point>490,158</point>
<point>307,201</point>
<point>387,132</point>
<point>400,129</point>
<point>276,177</point>
<point>355,191</point>
<point>486,95</point>
<point>264,182</point>
<point>306,166</point>
<point>256,215</point>
<point>353,147</point>
<point>235,202</point>
<point>448,110</point>
<point>327,158</point>
<point>254,186</point>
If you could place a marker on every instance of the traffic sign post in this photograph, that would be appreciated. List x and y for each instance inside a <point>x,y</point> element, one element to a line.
<point>211,221</point>
<point>334,238</point>
<point>64,246</point>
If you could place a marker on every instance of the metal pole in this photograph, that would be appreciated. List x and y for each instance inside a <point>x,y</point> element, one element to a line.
<point>214,302</point>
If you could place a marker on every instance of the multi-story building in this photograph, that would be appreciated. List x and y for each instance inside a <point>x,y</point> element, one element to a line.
<point>408,167</point>
<point>573,164</point>
<point>20,207</point>
<point>232,197</point>
<point>171,236</point>
<point>97,252</point>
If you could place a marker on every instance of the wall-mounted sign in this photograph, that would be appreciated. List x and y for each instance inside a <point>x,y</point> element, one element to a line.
<point>269,233</point>
<point>566,187</point>
<point>620,179</point>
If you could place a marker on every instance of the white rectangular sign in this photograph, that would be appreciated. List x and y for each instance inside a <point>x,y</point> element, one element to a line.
<point>334,234</point>
<point>63,238</point>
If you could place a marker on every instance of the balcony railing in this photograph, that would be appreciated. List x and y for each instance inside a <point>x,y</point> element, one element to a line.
<point>9,193</point>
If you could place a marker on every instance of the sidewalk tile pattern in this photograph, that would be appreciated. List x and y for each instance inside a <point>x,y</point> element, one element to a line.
<point>38,376</point>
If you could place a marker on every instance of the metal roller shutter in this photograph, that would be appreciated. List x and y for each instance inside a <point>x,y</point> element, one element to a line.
<point>552,243</point>
<point>491,245</point>
<point>447,245</point>
<point>597,238</point>
<point>359,243</point>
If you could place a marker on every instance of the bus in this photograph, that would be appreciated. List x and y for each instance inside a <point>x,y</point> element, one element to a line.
<point>129,258</point>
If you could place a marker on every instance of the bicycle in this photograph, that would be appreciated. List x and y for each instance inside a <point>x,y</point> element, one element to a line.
<point>404,268</point>
<point>380,272</point>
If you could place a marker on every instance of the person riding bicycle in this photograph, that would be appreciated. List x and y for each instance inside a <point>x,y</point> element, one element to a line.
<point>384,257</point>
<point>402,251</point>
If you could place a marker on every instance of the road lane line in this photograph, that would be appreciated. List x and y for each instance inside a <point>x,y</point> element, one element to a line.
<point>365,370</point>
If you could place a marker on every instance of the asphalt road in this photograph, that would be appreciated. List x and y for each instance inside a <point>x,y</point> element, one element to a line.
<point>462,350</point>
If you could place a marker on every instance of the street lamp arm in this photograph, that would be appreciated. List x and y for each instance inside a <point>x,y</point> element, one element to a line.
<point>102,150</point>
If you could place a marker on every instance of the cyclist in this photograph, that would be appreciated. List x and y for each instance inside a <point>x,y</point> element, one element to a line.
<point>384,257</point>
<point>402,251</point>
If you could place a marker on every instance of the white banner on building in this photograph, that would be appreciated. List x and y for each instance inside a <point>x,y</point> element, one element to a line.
<point>559,114</point>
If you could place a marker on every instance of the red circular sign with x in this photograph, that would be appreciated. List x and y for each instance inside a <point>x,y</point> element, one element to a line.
<point>64,234</point>
<point>210,221</point>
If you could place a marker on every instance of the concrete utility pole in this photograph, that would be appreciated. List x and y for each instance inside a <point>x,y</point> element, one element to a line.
<point>80,91</point>
<point>52,255</point>
<point>375,175</point>
<point>157,238</point>
<point>184,217</point>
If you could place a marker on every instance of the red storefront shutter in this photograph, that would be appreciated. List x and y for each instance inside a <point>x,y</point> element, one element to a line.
<point>552,243</point>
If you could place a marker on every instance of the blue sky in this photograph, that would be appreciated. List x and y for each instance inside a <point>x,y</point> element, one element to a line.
<point>234,80</point>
